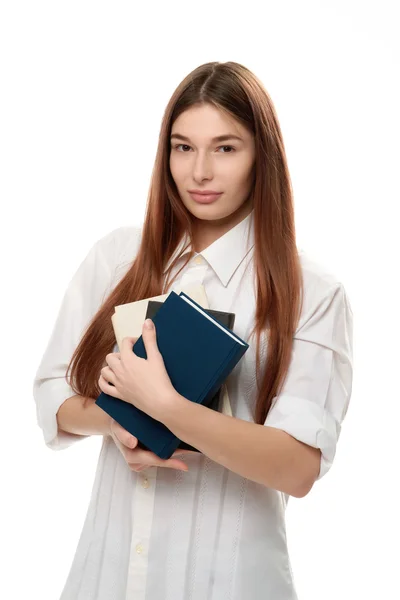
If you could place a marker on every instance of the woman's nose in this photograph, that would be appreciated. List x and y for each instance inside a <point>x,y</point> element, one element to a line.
<point>202,167</point>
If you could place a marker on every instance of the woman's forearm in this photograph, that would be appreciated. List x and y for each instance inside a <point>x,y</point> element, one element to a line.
<point>74,417</point>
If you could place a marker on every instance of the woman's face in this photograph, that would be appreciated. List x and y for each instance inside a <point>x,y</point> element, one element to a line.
<point>200,162</point>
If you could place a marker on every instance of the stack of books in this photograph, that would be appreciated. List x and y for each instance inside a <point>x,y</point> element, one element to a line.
<point>199,348</point>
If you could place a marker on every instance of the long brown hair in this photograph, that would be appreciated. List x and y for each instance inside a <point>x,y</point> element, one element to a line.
<point>230,87</point>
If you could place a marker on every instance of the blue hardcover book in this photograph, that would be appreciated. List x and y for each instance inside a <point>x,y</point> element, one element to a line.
<point>225,318</point>
<point>199,353</point>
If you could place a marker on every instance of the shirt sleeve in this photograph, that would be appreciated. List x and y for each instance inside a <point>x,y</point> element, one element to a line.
<point>315,397</point>
<point>84,295</point>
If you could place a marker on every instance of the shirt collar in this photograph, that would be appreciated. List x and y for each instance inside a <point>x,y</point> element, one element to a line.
<point>227,252</point>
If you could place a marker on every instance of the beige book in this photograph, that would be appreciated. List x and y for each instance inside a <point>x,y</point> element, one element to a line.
<point>128,320</point>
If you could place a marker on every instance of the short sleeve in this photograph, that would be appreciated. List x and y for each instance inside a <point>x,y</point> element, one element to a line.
<point>85,293</point>
<point>315,397</point>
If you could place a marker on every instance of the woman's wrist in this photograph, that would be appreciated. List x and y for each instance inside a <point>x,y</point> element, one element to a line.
<point>82,417</point>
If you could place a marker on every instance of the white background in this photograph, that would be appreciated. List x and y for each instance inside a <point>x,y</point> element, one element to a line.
<point>83,89</point>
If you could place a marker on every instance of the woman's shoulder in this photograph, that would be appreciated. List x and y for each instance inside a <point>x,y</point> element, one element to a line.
<point>127,241</point>
<point>320,281</point>
<point>120,244</point>
<point>315,272</point>
<point>326,307</point>
<point>120,247</point>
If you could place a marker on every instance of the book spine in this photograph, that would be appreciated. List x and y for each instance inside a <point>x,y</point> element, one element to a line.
<point>233,358</point>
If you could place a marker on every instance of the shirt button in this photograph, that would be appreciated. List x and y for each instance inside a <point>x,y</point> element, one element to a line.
<point>145,483</point>
<point>198,260</point>
<point>139,548</point>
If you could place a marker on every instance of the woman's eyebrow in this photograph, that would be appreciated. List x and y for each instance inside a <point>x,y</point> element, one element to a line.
<point>219,138</point>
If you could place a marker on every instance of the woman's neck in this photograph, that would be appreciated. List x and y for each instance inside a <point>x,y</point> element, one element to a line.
<point>206,232</point>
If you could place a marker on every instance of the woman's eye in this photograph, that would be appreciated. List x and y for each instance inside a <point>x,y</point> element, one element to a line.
<point>186,146</point>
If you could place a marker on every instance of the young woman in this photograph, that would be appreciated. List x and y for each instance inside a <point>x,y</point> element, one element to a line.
<point>206,525</point>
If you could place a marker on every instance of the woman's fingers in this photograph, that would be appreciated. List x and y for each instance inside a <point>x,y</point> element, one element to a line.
<point>137,467</point>
<point>139,459</point>
<point>144,458</point>
<point>182,452</point>
<point>123,436</point>
<point>174,463</point>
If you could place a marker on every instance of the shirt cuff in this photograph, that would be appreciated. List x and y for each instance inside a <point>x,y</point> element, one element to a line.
<point>49,394</point>
<point>309,423</point>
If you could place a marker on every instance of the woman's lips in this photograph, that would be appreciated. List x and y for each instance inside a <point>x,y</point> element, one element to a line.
<point>204,198</point>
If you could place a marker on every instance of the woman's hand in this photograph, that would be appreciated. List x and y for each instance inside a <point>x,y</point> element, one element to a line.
<point>138,459</point>
<point>144,383</point>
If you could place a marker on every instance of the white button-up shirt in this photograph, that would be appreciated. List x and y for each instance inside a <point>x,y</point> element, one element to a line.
<point>209,533</point>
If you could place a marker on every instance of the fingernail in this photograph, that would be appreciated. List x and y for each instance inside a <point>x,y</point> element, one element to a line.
<point>149,324</point>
